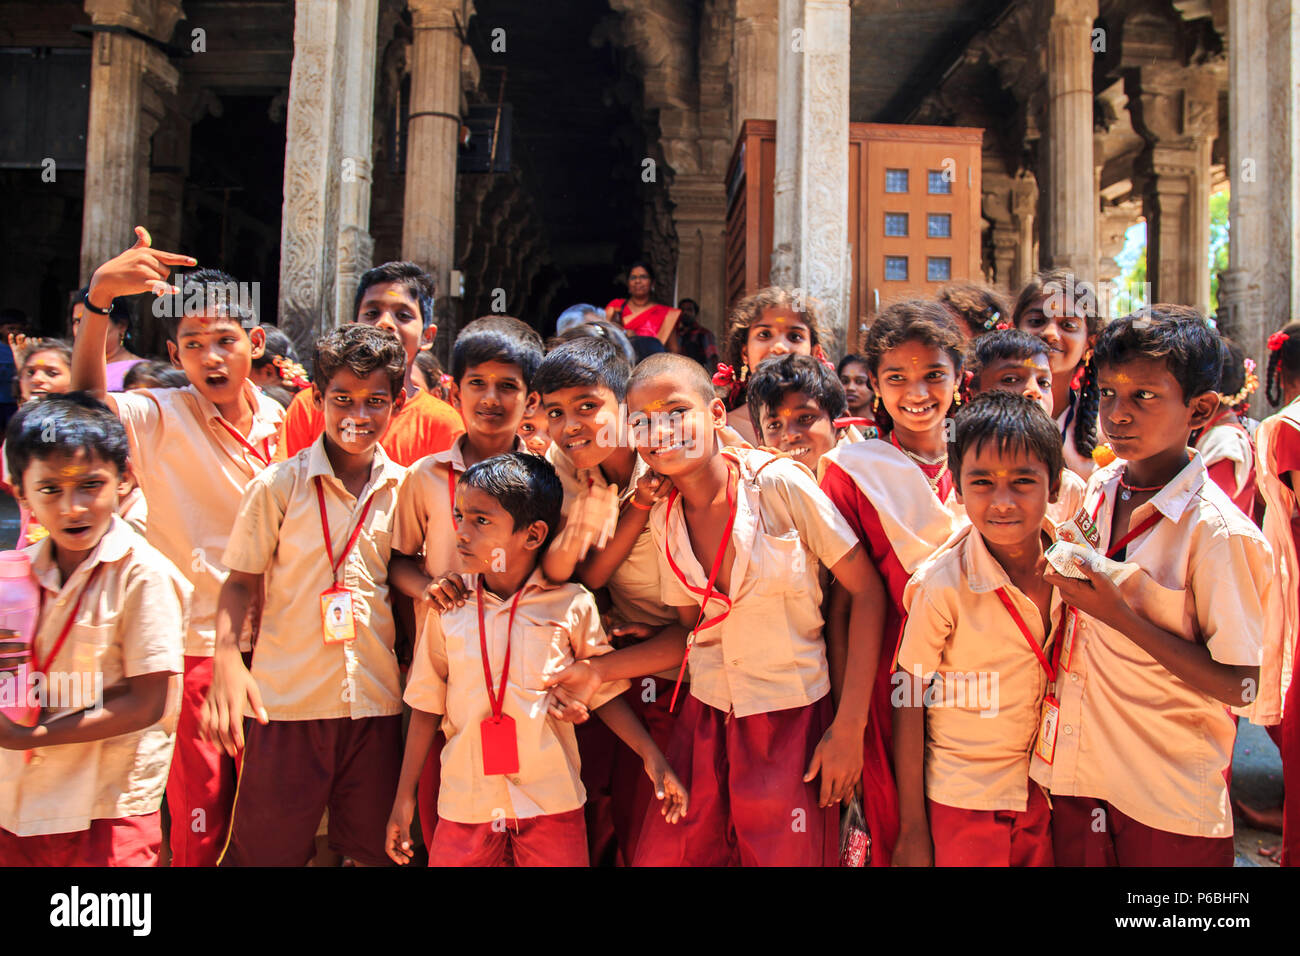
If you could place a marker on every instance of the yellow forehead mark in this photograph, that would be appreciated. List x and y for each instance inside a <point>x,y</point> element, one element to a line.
<point>1122,378</point>
<point>72,471</point>
<point>393,293</point>
<point>658,405</point>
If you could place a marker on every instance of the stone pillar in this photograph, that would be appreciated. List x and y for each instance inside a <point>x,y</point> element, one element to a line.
<point>1071,201</point>
<point>1260,291</point>
<point>816,235</point>
<point>124,72</point>
<point>433,126</point>
<point>330,89</point>
<point>1177,113</point>
<point>754,51</point>
<point>1024,209</point>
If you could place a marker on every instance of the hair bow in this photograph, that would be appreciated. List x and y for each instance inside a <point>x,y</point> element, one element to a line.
<point>1277,340</point>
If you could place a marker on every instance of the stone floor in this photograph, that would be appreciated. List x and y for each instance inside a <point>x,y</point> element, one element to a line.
<point>1256,768</point>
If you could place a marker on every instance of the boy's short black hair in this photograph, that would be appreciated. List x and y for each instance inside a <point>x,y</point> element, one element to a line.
<point>780,375</point>
<point>153,374</point>
<point>1014,423</point>
<point>497,338</point>
<point>63,425</point>
<point>204,292</point>
<point>1175,334</point>
<point>1003,345</point>
<point>525,485</point>
<point>585,361</point>
<point>416,281</point>
<point>686,370</point>
<point>363,350</point>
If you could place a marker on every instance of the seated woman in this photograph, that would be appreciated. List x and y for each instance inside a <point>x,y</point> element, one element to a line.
<point>639,314</point>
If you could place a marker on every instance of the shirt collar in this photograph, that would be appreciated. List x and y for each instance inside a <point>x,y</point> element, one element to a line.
<point>1174,498</point>
<point>113,546</point>
<point>536,581</point>
<point>454,454</point>
<point>382,468</point>
<point>263,424</point>
<point>983,571</point>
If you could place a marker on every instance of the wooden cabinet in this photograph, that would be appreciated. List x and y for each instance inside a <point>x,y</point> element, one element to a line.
<point>913,209</point>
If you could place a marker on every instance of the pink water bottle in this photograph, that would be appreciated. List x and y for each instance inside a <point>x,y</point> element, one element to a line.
<point>20,598</point>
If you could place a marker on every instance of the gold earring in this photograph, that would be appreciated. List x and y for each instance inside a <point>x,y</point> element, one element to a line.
<point>744,371</point>
<point>956,396</point>
<point>875,405</point>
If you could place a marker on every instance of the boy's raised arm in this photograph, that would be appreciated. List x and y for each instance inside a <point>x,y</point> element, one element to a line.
<point>138,269</point>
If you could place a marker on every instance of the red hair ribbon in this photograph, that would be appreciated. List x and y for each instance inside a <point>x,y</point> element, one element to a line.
<point>725,376</point>
<point>1277,340</point>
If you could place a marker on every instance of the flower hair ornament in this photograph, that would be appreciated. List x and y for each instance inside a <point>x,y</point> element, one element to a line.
<point>1277,340</point>
<point>1252,383</point>
<point>993,321</point>
<point>291,373</point>
<point>725,377</point>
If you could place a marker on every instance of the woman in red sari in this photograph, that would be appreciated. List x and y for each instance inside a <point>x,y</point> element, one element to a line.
<point>639,314</point>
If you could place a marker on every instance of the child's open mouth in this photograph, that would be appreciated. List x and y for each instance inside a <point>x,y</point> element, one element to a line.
<point>216,379</point>
<point>921,409</point>
<point>77,530</point>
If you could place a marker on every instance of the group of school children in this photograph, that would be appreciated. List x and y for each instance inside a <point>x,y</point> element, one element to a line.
<point>993,592</point>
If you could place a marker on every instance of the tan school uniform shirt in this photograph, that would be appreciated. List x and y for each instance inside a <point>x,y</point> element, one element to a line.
<point>990,685</point>
<point>555,624</point>
<point>131,621</point>
<point>278,534</point>
<point>768,653</point>
<point>193,472</point>
<point>1129,731</point>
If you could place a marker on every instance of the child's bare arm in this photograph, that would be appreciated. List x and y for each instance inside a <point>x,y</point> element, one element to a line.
<point>406,574</point>
<point>1190,661</point>
<point>618,717</point>
<point>222,721</point>
<point>837,638</point>
<point>581,679</point>
<point>140,706</point>
<point>138,269</point>
<point>590,522</point>
<point>838,757</point>
<point>597,568</point>
<point>914,847</point>
<point>419,738</point>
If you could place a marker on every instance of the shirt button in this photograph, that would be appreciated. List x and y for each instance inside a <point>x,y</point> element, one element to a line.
<point>735,662</point>
<point>37,759</point>
<point>1068,730</point>
<point>1075,678</point>
<point>513,780</point>
<point>1082,625</point>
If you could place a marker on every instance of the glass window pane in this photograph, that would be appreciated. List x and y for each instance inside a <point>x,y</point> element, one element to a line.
<point>895,180</point>
<point>939,183</point>
<point>896,224</point>
<point>938,269</point>
<point>939,225</point>
<point>896,267</point>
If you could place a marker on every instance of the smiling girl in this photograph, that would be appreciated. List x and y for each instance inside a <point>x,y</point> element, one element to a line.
<point>772,321</point>
<point>1063,313</point>
<point>897,494</point>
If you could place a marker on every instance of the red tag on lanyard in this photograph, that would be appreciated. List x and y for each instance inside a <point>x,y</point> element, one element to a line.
<point>497,733</point>
<point>706,593</point>
<point>264,456</point>
<point>338,614</point>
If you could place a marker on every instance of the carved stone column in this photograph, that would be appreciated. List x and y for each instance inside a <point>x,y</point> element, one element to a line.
<point>1071,199</point>
<point>1024,209</point>
<point>1177,112</point>
<point>125,71</point>
<point>327,159</point>
<point>428,216</point>
<point>1260,290</point>
<point>811,222</point>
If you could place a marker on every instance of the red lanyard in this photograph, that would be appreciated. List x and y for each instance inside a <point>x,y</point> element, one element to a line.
<point>1049,668</point>
<point>264,456</point>
<point>497,700</point>
<point>707,592</point>
<point>1120,545</point>
<point>44,666</point>
<point>325,527</point>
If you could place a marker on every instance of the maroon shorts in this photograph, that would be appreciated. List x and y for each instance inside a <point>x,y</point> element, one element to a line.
<point>1090,832</point>
<point>557,839</point>
<point>993,837</point>
<point>749,803</point>
<point>201,783</point>
<point>125,841</point>
<point>630,789</point>
<point>294,770</point>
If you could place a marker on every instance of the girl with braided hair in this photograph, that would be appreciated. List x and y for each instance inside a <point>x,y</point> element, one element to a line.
<point>1225,443</point>
<point>1063,313</point>
<point>1277,458</point>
